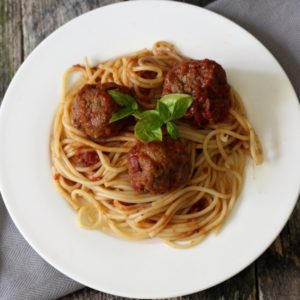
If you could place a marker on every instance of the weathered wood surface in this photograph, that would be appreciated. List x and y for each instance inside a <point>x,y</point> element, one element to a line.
<point>278,269</point>
<point>275,275</point>
<point>10,41</point>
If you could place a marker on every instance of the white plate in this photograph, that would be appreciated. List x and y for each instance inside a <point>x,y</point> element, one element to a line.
<point>148,269</point>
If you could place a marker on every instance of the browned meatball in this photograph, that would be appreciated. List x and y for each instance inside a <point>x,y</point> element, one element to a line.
<point>206,81</point>
<point>92,109</point>
<point>158,167</point>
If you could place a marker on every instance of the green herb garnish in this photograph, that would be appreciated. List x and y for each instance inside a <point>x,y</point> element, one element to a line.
<point>127,102</point>
<point>172,130</point>
<point>148,127</point>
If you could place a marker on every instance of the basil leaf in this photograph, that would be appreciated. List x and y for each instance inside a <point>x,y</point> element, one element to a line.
<point>151,120</point>
<point>173,130</point>
<point>151,113</point>
<point>145,132</point>
<point>181,107</point>
<point>123,99</point>
<point>121,114</point>
<point>138,115</point>
<point>154,114</point>
<point>177,104</point>
<point>163,110</point>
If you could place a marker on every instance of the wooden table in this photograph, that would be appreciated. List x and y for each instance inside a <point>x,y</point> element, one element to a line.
<point>275,275</point>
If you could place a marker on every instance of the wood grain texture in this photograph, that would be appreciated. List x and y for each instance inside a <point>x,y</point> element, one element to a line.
<point>10,41</point>
<point>240,287</point>
<point>278,269</point>
<point>41,17</point>
<point>10,48</point>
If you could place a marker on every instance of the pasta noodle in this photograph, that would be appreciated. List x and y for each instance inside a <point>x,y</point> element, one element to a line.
<point>102,195</point>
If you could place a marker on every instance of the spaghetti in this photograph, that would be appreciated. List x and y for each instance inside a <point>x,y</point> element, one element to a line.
<point>101,193</point>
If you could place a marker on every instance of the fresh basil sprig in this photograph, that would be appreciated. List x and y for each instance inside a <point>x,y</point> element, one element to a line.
<point>173,107</point>
<point>148,127</point>
<point>127,102</point>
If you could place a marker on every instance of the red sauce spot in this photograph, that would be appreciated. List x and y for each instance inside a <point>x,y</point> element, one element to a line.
<point>200,205</point>
<point>56,176</point>
<point>78,150</point>
<point>78,66</point>
<point>69,182</point>
<point>85,159</point>
<point>96,178</point>
<point>147,74</point>
<point>134,162</point>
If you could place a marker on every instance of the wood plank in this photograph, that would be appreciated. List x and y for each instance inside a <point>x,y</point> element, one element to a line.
<point>40,18</point>
<point>278,269</point>
<point>10,41</point>
<point>241,286</point>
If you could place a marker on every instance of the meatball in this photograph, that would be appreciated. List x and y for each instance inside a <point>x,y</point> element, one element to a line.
<point>92,109</point>
<point>206,81</point>
<point>158,167</point>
